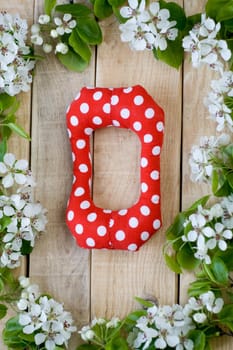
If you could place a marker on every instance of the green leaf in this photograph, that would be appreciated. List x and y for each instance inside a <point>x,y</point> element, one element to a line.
<point>12,325</point>
<point>48,6</point>
<point>78,45</point>
<point>226,316</point>
<point>87,347</point>
<point>186,259</point>
<point>192,20</point>
<point>199,339</point>
<point>214,181</point>
<point>230,179</point>
<point>173,55</point>
<point>223,191</point>
<point>176,13</point>
<point>177,228</point>
<point>134,316</point>
<point>18,130</point>
<point>72,61</point>
<point>144,303</point>
<point>3,311</point>
<point>6,101</point>
<point>220,10</point>
<point>201,201</point>
<point>3,148</point>
<point>197,288</point>
<point>26,247</point>
<point>172,263</point>
<point>116,3</point>
<point>76,10</point>
<point>102,9</point>
<point>89,31</point>
<point>118,343</point>
<point>219,270</point>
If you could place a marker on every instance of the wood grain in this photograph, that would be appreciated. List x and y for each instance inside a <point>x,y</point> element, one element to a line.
<point>119,276</point>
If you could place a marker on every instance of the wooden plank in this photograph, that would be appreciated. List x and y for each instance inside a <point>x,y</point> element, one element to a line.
<point>57,264</point>
<point>196,87</point>
<point>16,144</point>
<point>118,276</point>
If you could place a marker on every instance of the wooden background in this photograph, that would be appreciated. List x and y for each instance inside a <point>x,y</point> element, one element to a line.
<point>103,283</point>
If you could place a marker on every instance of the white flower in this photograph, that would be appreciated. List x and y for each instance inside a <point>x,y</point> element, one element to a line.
<point>64,25</point>
<point>15,70</point>
<point>53,33</point>
<point>201,254</point>
<point>227,205</point>
<point>35,29</point>
<point>87,333</point>
<point>219,238</point>
<point>203,45</point>
<point>135,9</point>
<point>199,317</point>
<point>138,35</point>
<point>211,303</point>
<point>13,170</point>
<point>47,48</point>
<point>62,48</point>
<point>36,39</point>
<point>113,323</point>
<point>44,19</point>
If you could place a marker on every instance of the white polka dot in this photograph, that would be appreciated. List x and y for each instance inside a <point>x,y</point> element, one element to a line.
<point>69,133</point>
<point>74,179</point>
<point>115,123</point>
<point>132,247</point>
<point>137,126</point>
<point>79,191</point>
<point>156,150</point>
<point>84,107</point>
<point>107,108</point>
<point>138,100</point>
<point>145,210</point>
<point>85,205</point>
<point>90,242</point>
<point>74,120</point>
<point>127,90</point>
<point>125,113</point>
<point>159,126</point>
<point>79,229</point>
<point>73,157</point>
<point>114,100</point>
<point>68,109</point>
<point>133,222</point>
<point>149,113</point>
<point>80,144</point>
<point>83,168</point>
<point>156,224</point>
<point>97,95</point>
<point>91,217</point>
<point>144,187</point>
<point>97,120</point>
<point>154,175</point>
<point>144,162</point>
<point>88,131</point>
<point>70,215</point>
<point>120,235</point>
<point>148,138</point>
<point>107,211</point>
<point>122,212</point>
<point>145,235</point>
<point>101,231</point>
<point>155,199</point>
<point>111,223</point>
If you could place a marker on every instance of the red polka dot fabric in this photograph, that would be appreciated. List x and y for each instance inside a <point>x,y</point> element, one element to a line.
<point>132,108</point>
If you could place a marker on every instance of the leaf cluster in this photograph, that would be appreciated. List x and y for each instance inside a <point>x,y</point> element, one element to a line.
<point>86,34</point>
<point>8,107</point>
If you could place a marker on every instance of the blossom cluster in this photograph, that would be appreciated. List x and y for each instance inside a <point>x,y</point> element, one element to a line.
<point>209,229</point>
<point>147,28</point>
<point>201,156</point>
<point>203,45</point>
<point>15,66</point>
<point>56,28</point>
<point>43,317</point>
<point>99,327</point>
<point>21,219</point>
<point>169,326</point>
<point>216,102</point>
